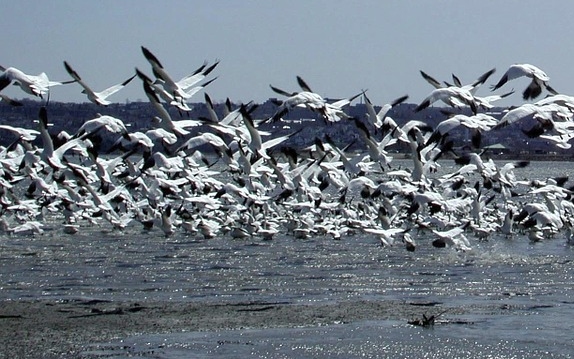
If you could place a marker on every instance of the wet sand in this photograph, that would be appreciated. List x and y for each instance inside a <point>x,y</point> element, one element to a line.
<point>63,329</point>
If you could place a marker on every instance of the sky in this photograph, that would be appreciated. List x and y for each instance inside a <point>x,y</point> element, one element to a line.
<point>338,47</point>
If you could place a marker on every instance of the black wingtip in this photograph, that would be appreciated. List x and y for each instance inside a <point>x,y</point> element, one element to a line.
<point>71,71</point>
<point>303,84</point>
<point>422,106</point>
<point>129,80</point>
<point>500,83</point>
<point>400,100</point>
<point>150,57</point>
<point>210,68</point>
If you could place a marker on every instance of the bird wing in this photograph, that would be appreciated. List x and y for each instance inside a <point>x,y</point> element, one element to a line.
<point>431,80</point>
<point>303,84</point>
<point>113,89</point>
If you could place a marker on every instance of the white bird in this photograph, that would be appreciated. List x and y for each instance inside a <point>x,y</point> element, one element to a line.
<point>478,122</point>
<point>547,114</point>
<point>164,120</point>
<point>452,96</point>
<point>51,155</point>
<point>178,89</point>
<point>377,118</point>
<point>389,236</point>
<point>99,98</point>
<point>470,87</point>
<point>102,122</point>
<point>23,134</point>
<point>539,80</point>
<point>37,85</point>
<point>27,228</point>
<point>308,99</point>
<point>454,237</point>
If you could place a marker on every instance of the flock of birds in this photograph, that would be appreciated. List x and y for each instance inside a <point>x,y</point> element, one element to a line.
<point>257,187</point>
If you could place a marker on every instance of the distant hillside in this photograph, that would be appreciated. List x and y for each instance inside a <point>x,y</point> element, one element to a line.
<point>138,116</point>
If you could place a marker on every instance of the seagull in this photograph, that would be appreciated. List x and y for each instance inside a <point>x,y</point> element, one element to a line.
<point>539,80</point>
<point>99,98</point>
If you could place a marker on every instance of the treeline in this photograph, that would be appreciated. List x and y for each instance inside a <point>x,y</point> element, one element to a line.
<point>138,116</point>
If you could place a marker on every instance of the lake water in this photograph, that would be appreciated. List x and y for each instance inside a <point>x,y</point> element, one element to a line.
<point>531,285</point>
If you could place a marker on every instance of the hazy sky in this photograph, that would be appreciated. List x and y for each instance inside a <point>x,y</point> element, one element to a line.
<point>338,47</point>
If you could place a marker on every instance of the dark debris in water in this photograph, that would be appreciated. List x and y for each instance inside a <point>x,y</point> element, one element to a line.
<point>425,304</point>
<point>426,322</point>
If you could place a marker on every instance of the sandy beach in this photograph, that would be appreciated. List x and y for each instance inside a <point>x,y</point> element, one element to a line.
<point>63,329</point>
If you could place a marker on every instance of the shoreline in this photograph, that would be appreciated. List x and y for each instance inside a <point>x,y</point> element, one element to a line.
<point>65,328</point>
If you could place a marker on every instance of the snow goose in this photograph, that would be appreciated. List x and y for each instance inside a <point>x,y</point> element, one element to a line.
<point>453,237</point>
<point>178,128</point>
<point>457,83</point>
<point>36,85</point>
<point>377,118</point>
<point>306,98</point>
<point>178,89</point>
<point>99,98</point>
<point>452,96</point>
<point>539,80</point>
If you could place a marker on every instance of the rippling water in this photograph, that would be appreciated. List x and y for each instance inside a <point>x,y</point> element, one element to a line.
<point>136,265</point>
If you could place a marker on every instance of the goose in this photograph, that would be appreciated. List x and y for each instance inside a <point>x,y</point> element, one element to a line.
<point>99,98</point>
<point>539,80</point>
<point>486,102</point>
<point>23,134</point>
<point>478,122</point>
<point>268,229</point>
<point>256,144</point>
<point>170,98</point>
<point>452,96</point>
<point>36,85</point>
<point>507,227</point>
<point>165,221</point>
<point>306,98</point>
<point>453,237</point>
<point>389,236</point>
<point>51,155</point>
<point>546,114</point>
<point>377,150</point>
<point>377,118</point>
<point>178,89</point>
<point>457,83</point>
<point>208,228</point>
<point>27,228</point>
<point>164,120</point>
<point>102,122</point>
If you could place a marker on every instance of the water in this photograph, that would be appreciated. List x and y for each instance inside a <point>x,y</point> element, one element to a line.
<point>528,286</point>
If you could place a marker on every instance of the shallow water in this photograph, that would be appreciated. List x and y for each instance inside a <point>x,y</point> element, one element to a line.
<point>367,339</point>
<point>536,280</point>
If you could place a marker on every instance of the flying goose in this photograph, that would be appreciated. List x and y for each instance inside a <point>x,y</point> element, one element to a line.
<point>99,98</point>
<point>539,80</point>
